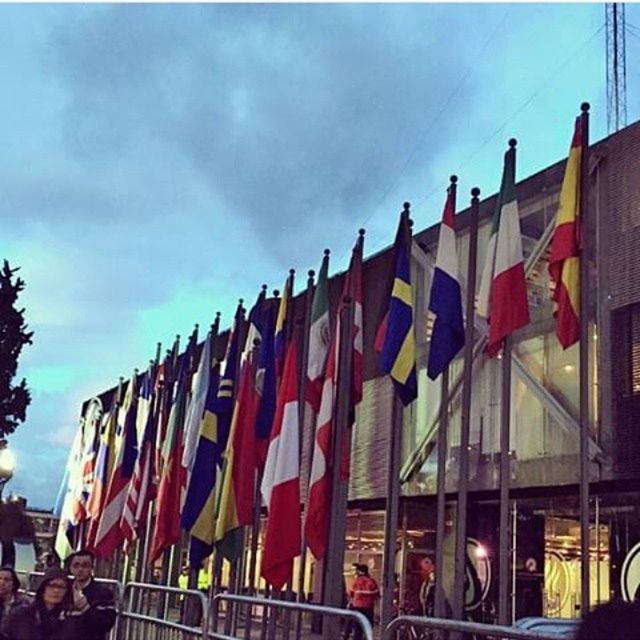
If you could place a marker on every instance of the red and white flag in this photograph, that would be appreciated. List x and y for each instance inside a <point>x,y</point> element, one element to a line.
<point>281,481</point>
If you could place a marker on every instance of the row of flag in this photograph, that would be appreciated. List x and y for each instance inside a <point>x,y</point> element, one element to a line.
<point>205,440</point>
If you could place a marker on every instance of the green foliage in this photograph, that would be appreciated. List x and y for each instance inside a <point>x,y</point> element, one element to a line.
<point>14,399</point>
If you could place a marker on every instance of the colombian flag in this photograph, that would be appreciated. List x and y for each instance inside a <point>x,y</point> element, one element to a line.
<point>564,262</point>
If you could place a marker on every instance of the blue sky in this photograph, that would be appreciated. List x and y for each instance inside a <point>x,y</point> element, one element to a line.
<point>161,161</point>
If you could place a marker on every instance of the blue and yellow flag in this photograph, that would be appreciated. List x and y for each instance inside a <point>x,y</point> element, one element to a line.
<point>282,323</point>
<point>396,335</point>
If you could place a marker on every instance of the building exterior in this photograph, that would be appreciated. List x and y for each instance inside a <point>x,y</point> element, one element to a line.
<point>544,416</point>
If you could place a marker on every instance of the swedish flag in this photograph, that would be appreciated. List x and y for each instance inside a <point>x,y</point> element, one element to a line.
<point>396,335</point>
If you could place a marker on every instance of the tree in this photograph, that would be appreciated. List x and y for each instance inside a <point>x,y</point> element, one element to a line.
<point>14,399</point>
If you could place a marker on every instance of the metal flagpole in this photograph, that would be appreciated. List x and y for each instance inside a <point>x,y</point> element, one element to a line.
<point>302,414</point>
<point>393,494</point>
<point>463,475</point>
<point>584,361</point>
<point>339,486</point>
<point>443,428</point>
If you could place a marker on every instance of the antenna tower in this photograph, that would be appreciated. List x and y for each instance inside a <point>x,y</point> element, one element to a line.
<point>616,66</point>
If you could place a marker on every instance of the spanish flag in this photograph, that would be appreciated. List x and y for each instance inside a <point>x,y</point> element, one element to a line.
<point>564,262</point>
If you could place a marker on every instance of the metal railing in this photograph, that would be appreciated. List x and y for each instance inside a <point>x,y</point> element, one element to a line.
<point>270,624</point>
<point>136,622</point>
<point>419,628</point>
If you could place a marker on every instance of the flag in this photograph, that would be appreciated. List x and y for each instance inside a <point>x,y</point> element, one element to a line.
<point>64,503</point>
<point>502,297</point>
<point>395,339</point>
<point>445,301</point>
<point>109,534</point>
<point>319,498</point>
<point>142,486</point>
<point>319,337</point>
<point>255,321</point>
<point>282,324</point>
<point>281,481</point>
<point>235,508</point>
<point>195,411</point>
<point>167,377</point>
<point>166,531</point>
<point>265,385</point>
<point>104,467</point>
<point>199,515</point>
<point>564,261</point>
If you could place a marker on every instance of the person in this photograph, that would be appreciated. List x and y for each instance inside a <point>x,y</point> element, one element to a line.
<point>363,595</point>
<point>427,594</point>
<point>616,620</point>
<point>101,615</point>
<point>53,615</point>
<point>10,599</point>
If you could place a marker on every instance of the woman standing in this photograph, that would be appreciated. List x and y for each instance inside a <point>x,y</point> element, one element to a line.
<point>52,616</point>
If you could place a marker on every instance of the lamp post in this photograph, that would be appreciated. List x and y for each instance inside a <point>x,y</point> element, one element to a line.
<point>7,465</point>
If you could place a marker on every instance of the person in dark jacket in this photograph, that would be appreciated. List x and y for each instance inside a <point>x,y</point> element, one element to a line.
<point>10,599</point>
<point>101,615</point>
<point>52,616</point>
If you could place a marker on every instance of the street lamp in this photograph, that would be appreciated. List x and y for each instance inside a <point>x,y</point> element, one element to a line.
<point>7,465</point>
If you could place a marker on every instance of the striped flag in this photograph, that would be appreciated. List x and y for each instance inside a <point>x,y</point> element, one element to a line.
<point>445,301</point>
<point>564,261</point>
<point>319,337</point>
<point>502,297</point>
<point>237,493</point>
<point>166,531</point>
<point>281,481</point>
<point>395,339</point>
<point>317,518</point>
<point>104,467</point>
<point>142,486</point>
<point>109,535</point>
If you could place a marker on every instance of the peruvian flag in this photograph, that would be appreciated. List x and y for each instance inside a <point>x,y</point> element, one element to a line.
<point>319,499</point>
<point>502,298</point>
<point>281,481</point>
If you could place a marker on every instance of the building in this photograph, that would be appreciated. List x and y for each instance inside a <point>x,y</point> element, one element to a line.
<point>544,415</point>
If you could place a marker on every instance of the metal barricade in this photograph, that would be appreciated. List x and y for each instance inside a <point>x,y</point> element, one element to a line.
<point>137,621</point>
<point>422,628</point>
<point>268,609</point>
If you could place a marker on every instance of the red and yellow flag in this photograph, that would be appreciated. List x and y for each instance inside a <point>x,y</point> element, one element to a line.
<point>564,262</point>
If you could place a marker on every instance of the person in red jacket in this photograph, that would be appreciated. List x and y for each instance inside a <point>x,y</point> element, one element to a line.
<point>363,595</point>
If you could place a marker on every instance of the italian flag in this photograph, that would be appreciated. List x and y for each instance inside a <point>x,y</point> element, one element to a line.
<point>281,481</point>
<point>319,337</point>
<point>502,298</point>
<point>564,262</point>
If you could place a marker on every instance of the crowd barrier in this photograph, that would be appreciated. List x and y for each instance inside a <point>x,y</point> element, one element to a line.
<point>158,612</point>
<point>420,628</point>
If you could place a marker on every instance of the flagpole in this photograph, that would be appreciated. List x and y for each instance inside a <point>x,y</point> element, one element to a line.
<point>439,604</point>
<point>463,466</point>
<point>584,363</point>
<point>334,558</point>
<point>302,414</point>
<point>393,487</point>
<point>505,466</point>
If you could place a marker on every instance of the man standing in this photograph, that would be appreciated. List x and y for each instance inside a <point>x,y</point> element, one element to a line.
<point>363,595</point>
<point>101,615</point>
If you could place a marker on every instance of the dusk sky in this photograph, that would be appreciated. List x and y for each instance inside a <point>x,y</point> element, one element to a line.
<point>161,161</point>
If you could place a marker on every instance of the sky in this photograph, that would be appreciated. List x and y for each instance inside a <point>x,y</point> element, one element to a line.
<point>159,162</point>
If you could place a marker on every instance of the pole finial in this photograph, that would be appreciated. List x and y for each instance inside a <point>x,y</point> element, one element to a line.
<point>327,252</point>
<point>276,293</point>
<point>512,142</point>
<point>475,192</point>
<point>584,107</point>
<point>406,206</point>
<point>453,179</point>
<point>292,272</point>
<point>361,232</point>
<point>311,273</point>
